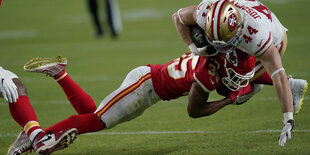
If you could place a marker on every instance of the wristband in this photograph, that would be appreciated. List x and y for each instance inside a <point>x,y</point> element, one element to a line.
<point>287,116</point>
<point>180,16</point>
<point>276,72</point>
<point>193,48</point>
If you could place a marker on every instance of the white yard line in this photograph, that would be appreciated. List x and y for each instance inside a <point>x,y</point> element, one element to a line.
<point>17,34</point>
<point>190,132</point>
<point>175,132</point>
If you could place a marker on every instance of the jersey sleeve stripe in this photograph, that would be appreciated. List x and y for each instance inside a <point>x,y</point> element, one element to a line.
<point>264,47</point>
<point>201,85</point>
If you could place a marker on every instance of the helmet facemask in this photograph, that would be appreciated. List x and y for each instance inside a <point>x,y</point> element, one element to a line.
<point>234,80</point>
<point>228,46</point>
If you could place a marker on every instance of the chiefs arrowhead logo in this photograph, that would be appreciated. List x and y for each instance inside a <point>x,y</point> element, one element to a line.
<point>232,58</point>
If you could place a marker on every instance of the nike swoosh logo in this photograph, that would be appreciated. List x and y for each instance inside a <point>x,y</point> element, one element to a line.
<point>45,139</point>
<point>212,82</point>
<point>260,43</point>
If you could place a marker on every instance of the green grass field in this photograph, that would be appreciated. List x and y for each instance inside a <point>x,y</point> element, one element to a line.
<point>49,28</point>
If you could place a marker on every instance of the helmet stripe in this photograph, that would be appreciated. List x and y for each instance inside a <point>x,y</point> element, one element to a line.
<point>212,21</point>
<point>216,18</point>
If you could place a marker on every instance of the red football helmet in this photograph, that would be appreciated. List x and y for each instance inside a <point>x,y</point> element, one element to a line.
<point>236,69</point>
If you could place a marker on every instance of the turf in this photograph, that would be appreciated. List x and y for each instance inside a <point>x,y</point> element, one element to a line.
<point>35,28</point>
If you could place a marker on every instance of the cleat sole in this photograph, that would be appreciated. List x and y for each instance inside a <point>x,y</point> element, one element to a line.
<point>302,98</point>
<point>37,63</point>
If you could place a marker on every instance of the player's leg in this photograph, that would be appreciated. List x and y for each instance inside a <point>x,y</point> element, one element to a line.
<point>127,102</point>
<point>113,16</point>
<point>93,8</point>
<point>80,100</point>
<point>55,67</point>
<point>130,100</point>
<point>23,113</point>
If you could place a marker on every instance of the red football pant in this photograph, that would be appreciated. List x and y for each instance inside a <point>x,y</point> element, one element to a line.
<point>263,79</point>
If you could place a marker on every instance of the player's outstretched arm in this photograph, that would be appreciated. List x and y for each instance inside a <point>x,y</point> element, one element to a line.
<point>198,105</point>
<point>271,61</point>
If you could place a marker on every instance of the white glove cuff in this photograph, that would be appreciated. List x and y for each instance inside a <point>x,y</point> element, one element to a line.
<point>10,74</point>
<point>1,70</point>
<point>193,48</point>
<point>287,116</point>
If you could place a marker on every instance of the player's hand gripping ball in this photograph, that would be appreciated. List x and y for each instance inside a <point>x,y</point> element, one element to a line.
<point>198,37</point>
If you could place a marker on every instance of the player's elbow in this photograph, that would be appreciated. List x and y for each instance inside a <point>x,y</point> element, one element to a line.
<point>198,112</point>
<point>193,112</point>
<point>175,18</point>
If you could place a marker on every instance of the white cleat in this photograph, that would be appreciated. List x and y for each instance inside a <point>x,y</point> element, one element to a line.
<point>244,98</point>
<point>46,143</point>
<point>298,88</point>
<point>21,145</point>
<point>48,66</point>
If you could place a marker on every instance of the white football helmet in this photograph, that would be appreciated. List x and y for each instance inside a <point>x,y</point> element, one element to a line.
<point>223,26</point>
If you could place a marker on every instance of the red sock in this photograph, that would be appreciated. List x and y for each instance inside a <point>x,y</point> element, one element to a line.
<point>83,123</point>
<point>263,79</point>
<point>80,100</point>
<point>23,113</point>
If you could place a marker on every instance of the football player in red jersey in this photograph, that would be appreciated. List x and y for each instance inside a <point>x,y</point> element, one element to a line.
<point>144,86</point>
<point>248,26</point>
<point>12,90</point>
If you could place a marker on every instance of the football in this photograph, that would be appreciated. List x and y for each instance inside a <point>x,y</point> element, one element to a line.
<point>198,36</point>
<point>199,39</point>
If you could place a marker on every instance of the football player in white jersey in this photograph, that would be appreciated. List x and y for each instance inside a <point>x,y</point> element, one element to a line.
<point>249,26</point>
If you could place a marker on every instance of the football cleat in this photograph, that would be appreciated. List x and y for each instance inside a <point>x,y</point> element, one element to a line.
<point>244,98</point>
<point>21,145</point>
<point>48,66</point>
<point>298,88</point>
<point>46,143</point>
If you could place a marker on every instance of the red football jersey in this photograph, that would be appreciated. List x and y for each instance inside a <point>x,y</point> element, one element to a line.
<point>175,78</point>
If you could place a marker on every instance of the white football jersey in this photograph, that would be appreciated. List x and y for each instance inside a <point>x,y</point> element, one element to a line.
<point>261,27</point>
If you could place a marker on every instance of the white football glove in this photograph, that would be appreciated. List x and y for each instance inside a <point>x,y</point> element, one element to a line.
<point>7,86</point>
<point>288,127</point>
<point>198,51</point>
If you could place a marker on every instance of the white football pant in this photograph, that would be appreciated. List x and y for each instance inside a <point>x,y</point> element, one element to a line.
<point>130,100</point>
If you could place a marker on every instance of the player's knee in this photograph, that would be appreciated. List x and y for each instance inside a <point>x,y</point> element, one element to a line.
<point>21,89</point>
